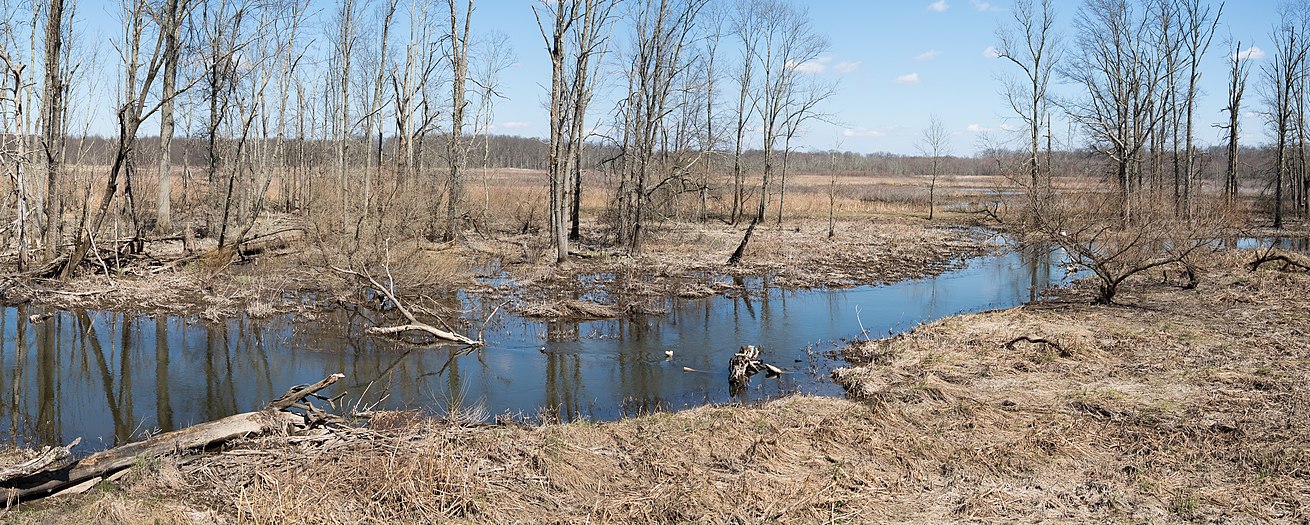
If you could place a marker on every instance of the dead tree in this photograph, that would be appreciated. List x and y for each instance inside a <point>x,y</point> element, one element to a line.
<point>170,25</point>
<point>744,364</point>
<point>663,30</point>
<point>934,144</point>
<point>745,26</point>
<point>412,323</point>
<point>1239,70</point>
<point>140,72</point>
<point>1030,43</point>
<point>586,22</point>
<point>456,149</point>
<point>1199,25</point>
<point>1281,76</point>
<point>1119,67</point>
<point>53,110</point>
<point>787,40</point>
<point>562,15</point>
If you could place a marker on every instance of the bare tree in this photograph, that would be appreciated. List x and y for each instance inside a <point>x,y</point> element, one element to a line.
<point>1120,68</point>
<point>1281,75</point>
<point>787,41</point>
<point>15,131</point>
<point>1030,43</point>
<point>456,149</point>
<point>934,144</point>
<point>347,38</point>
<point>663,29</point>
<point>745,26</point>
<point>801,107</point>
<point>140,71</point>
<point>1199,23</point>
<point>52,119</point>
<point>1239,70</point>
<point>562,15</point>
<point>170,25</point>
<point>587,23</point>
<point>414,115</point>
<point>592,43</point>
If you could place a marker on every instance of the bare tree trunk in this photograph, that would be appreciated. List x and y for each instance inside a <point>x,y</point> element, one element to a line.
<point>52,118</point>
<point>171,26</point>
<point>457,151</point>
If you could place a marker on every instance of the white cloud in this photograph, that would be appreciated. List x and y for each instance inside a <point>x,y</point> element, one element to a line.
<point>812,67</point>
<point>912,78</point>
<point>928,55</point>
<point>982,6</point>
<point>847,67</point>
<point>862,132</point>
<point>991,52</point>
<point>514,125</point>
<point>1251,53</point>
<point>939,6</point>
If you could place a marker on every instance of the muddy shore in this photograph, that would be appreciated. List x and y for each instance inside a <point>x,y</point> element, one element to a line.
<point>688,260</point>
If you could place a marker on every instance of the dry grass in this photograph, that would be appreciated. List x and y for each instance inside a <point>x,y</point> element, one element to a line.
<point>1190,407</point>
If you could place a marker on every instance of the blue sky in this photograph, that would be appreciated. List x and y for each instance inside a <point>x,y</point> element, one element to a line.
<point>897,63</point>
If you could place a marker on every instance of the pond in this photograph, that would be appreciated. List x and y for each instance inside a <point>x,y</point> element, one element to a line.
<point>111,377</point>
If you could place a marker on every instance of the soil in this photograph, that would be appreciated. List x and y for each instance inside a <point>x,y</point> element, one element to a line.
<point>1176,406</point>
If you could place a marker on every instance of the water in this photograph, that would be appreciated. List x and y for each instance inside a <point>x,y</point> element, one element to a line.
<point>115,377</point>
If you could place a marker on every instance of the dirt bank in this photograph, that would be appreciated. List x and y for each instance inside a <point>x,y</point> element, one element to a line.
<point>685,260</point>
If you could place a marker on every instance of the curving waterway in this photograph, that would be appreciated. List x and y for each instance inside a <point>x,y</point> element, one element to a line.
<point>112,377</point>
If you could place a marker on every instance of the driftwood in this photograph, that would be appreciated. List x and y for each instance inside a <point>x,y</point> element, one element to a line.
<point>745,364</point>
<point>1009,345</point>
<point>42,461</point>
<point>414,324</point>
<point>298,393</point>
<point>272,419</point>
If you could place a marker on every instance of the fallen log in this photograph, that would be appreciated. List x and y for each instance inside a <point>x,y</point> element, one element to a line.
<point>118,458</point>
<point>420,327</point>
<point>272,419</point>
<point>42,461</point>
<point>299,392</point>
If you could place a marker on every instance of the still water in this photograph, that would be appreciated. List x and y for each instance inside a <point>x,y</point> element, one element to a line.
<point>112,377</point>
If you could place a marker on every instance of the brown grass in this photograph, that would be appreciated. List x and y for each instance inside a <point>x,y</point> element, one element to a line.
<point>1191,406</point>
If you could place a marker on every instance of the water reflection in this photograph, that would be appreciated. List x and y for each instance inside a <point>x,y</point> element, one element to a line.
<point>113,377</point>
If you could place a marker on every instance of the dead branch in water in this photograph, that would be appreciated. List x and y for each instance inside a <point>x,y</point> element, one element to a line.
<point>414,324</point>
<point>744,364</point>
